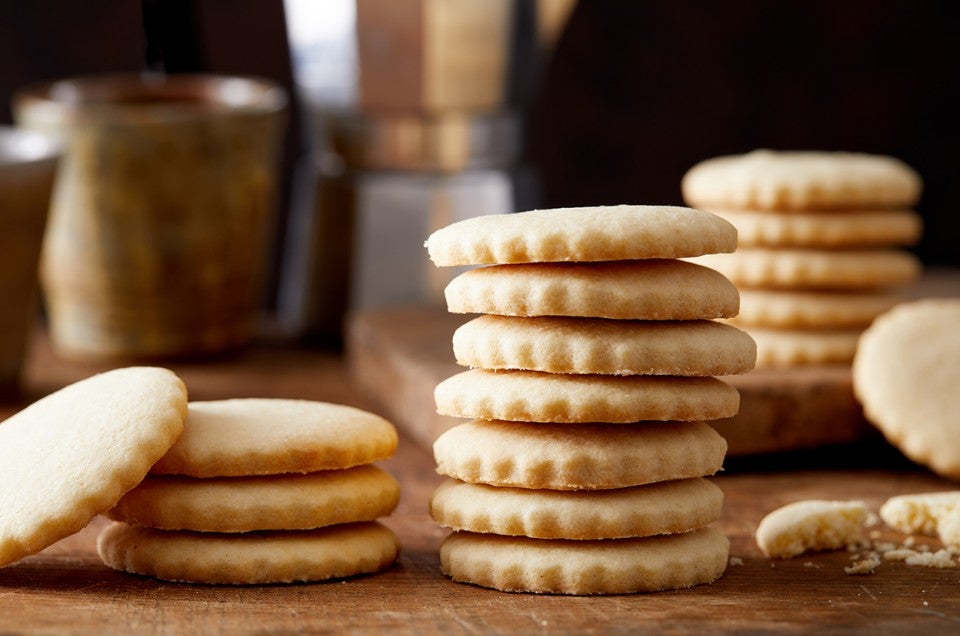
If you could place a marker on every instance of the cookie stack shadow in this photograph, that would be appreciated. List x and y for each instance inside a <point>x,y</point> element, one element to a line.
<point>261,491</point>
<point>584,467</point>
<point>820,237</point>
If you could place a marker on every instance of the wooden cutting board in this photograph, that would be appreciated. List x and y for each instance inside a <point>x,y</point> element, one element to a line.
<point>397,356</point>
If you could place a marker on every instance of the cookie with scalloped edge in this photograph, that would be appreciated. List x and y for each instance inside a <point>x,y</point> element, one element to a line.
<point>269,436</point>
<point>556,344</point>
<point>611,566</point>
<point>799,309</point>
<point>667,507</point>
<point>578,456</point>
<point>801,180</point>
<point>906,373</point>
<point>533,396</point>
<point>847,228</point>
<point>815,268</point>
<point>793,347</point>
<point>74,453</point>
<point>658,289</point>
<point>604,233</point>
<point>250,558</point>
<point>266,502</point>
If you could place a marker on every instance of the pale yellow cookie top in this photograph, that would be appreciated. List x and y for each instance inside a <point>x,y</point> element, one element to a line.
<point>657,289</point>
<point>668,507</point>
<point>532,396</point>
<point>810,525</point>
<point>594,345</point>
<point>73,454</point>
<point>785,180</point>
<point>920,512</point>
<point>578,456</point>
<point>264,436</point>
<point>606,233</point>
<point>906,373</point>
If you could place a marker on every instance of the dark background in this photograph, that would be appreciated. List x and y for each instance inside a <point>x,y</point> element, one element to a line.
<point>635,92</point>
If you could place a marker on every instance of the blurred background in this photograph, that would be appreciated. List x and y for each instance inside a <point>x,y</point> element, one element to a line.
<point>408,115</point>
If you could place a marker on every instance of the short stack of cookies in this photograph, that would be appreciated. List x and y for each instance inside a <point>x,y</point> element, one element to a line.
<point>261,491</point>
<point>820,236</point>
<point>583,468</point>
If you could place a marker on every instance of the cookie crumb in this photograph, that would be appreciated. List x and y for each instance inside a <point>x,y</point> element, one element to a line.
<point>940,559</point>
<point>864,566</point>
<point>735,560</point>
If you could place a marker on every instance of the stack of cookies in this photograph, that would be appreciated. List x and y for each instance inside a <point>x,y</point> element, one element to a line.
<point>582,470</point>
<point>818,255</point>
<point>261,491</point>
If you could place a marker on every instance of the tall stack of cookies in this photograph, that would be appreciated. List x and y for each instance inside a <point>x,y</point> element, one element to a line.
<point>261,491</point>
<point>583,468</point>
<point>819,253</point>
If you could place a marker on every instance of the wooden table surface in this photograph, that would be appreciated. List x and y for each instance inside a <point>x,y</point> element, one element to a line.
<point>66,589</point>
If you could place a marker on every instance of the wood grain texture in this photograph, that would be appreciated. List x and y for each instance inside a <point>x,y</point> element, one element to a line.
<point>66,589</point>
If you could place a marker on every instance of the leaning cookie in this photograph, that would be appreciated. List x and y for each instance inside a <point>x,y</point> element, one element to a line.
<point>74,453</point>
<point>906,373</point>
<point>610,233</point>
<point>260,436</point>
<point>268,502</point>
<point>612,566</point>
<point>250,558</point>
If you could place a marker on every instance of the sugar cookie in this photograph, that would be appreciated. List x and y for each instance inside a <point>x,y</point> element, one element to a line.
<point>578,456</point>
<point>815,269</point>
<point>249,558</point>
<point>669,507</point>
<point>74,453</point>
<point>613,566</point>
<point>647,290</point>
<point>797,309</point>
<point>532,396</point>
<point>906,373</point>
<point>269,502</point>
<point>790,347</point>
<point>771,180</point>
<point>610,233</point>
<point>607,347</point>
<point>260,436</point>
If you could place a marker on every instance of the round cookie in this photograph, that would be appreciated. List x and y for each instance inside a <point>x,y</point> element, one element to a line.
<point>825,229</point>
<point>771,180</point>
<point>667,507</point>
<point>789,347</point>
<point>249,558</point>
<point>815,269</point>
<point>73,454</point>
<point>608,347</point>
<point>578,456</point>
<point>532,396</point>
<point>609,233</point>
<point>906,373</point>
<point>659,289</point>
<point>263,436</point>
<point>612,566</point>
<point>792,309</point>
<point>269,502</point>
